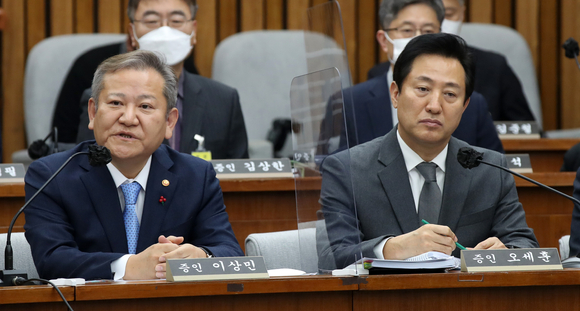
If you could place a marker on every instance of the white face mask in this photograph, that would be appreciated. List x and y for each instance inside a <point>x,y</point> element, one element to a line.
<point>452,27</point>
<point>398,46</point>
<point>172,43</point>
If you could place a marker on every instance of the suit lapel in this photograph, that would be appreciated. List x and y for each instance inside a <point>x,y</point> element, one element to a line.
<point>457,183</point>
<point>395,181</point>
<point>194,105</point>
<point>103,195</point>
<point>154,211</point>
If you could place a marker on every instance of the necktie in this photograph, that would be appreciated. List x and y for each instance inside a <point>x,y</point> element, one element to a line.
<point>131,192</point>
<point>430,198</point>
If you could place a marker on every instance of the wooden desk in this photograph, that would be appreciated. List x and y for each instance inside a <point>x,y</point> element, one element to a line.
<point>541,290</point>
<point>270,205</point>
<point>546,155</point>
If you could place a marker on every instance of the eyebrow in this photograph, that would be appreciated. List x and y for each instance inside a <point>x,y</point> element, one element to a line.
<point>152,12</point>
<point>413,24</point>
<point>122,95</point>
<point>429,80</point>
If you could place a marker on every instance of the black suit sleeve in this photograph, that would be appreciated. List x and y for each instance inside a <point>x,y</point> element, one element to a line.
<point>237,137</point>
<point>575,228</point>
<point>513,102</point>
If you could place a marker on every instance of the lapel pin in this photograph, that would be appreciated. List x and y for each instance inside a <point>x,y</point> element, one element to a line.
<point>165,182</point>
<point>162,200</point>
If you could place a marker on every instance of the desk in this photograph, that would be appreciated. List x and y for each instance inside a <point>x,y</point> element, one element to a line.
<point>546,155</point>
<point>539,290</point>
<point>264,205</point>
<point>536,290</point>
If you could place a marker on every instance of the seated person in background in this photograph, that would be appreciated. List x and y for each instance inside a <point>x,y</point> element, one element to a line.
<point>374,114</point>
<point>494,78</point>
<point>575,228</point>
<point>207,108</point>
<point>478,208</point>
<point>108,222</point>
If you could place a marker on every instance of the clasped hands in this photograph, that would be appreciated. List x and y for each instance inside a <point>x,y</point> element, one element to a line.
<point>151,263</point>
<point>429,238</point>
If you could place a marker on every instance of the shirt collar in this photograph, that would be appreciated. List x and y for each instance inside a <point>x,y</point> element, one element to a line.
<point>141,178</point>
<point>412,158</point>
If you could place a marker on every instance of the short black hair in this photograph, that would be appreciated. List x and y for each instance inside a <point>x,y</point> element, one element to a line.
<point>441,44</point>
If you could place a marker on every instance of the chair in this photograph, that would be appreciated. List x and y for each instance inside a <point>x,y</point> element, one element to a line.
<point>22,255</point>
<point>564,244</point>
<point>261,66</point>
<point>513,46</point>
<point>285,249</point>
<point>47,65</point>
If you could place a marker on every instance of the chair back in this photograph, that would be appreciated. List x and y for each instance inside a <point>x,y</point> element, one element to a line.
<point>511,44</point>
<point>47,66</point>
<point>22,254</point>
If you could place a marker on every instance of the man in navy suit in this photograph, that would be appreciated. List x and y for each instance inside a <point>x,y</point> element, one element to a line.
<point>402,20</point>
<point>85,224</point>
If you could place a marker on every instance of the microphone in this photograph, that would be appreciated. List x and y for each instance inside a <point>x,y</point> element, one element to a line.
<point>572,50</point>
<point>39,148</point>
<point>469,158</point>
<point>98,156</point>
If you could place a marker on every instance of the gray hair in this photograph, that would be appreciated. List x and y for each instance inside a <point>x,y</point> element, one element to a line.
<point>133,4</point>
<point>389,9</point>
<point>140,60</point>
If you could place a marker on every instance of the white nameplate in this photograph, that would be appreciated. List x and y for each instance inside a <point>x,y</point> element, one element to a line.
<point>216,268</point>
<point>520,259</point>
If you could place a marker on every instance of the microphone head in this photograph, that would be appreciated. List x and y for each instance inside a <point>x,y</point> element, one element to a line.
<point>468,157</point>
<point>571,48</point>
<point>38,149</point>
<point>99,155</point>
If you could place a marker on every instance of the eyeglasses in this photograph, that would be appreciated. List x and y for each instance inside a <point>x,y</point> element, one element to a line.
<point>176,22</point>
<point>408,31</point>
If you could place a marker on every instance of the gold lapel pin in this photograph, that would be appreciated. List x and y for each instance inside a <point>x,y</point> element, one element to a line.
<point>165,182</point>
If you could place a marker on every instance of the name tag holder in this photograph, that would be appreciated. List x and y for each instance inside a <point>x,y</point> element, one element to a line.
<point>216,268</point>
<point>521,259</point>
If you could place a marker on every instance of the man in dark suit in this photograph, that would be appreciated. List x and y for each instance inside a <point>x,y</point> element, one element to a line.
<point>207,108</point>
<point>148,205</point>
<point>494,78</point>
<point>375,195</point>
<point>373,114</point>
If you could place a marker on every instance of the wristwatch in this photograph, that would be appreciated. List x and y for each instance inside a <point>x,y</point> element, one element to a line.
<point>208,253</point>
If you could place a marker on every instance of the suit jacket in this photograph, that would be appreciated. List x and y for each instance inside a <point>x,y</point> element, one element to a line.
<point>496,81</point>
<point>79,78</point>
<point>75,226</point>
<point>372,110</point>
<point>210,109</point>
<point>476,204</point>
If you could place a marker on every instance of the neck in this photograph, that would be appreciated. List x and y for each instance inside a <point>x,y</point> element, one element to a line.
<point>178,69</point>
<point>131,169</point>
<point>427,151</point>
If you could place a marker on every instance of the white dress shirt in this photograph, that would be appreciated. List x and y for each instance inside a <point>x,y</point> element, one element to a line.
<point>118,266</point>
<point>412,159</point>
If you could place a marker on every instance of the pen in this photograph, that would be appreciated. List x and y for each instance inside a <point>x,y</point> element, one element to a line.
<point>458,245</point>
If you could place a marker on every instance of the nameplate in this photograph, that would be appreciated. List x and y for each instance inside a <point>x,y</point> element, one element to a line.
<point>250,168</point>
<point>218,268</point>
<point>12,173</point>
<point>517,129</point>
<point>206,155</point>
<point>521,259</point>
<point>519,163</point>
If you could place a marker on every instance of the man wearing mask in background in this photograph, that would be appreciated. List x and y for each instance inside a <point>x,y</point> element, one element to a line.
<point>207,108</point>
<point>494,78</point>
<point>401,21</point>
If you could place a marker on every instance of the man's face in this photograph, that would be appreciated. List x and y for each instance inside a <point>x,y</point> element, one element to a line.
<point>430,103</point>
<point>454,11</point>
<point>411,21</point>
<point>131,116</point>
<point>151,14</point>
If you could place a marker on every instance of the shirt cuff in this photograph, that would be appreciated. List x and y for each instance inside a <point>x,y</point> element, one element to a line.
<point>378,250</point>
<point>118,267</point>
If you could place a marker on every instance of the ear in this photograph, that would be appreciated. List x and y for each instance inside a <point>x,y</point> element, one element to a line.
<point>131,30</point>
<point>394,90</point>
<point>194,33</point>
<point>466,104</point>
<point>171,121</point>
<point>382,41</point>
<point>92,113</point>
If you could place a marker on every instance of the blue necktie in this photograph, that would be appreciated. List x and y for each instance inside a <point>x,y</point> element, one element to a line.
<point>131,192</point>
